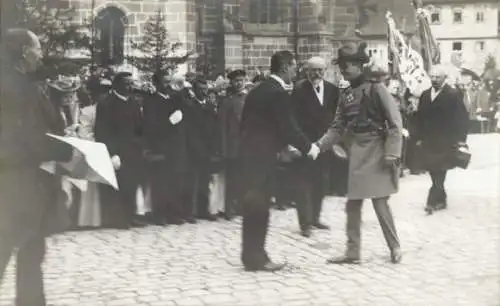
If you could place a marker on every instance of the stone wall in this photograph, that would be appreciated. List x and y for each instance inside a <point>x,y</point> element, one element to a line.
<point>180,17</point>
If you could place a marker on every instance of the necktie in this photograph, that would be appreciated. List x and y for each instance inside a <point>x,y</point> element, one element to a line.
<point>318,89</point>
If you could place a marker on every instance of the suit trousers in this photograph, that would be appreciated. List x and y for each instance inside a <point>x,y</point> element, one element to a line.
<point>437,193</point>
<point>256,206</point>
<point>232,173</point>
<point>164,191</point>
<point>310,186</point>
<point>29,273</point>
<point>353,226</point>
<point>119,207</point>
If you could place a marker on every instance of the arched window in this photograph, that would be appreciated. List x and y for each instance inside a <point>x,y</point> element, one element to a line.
<point>110,25</point>
<point>264,11</point>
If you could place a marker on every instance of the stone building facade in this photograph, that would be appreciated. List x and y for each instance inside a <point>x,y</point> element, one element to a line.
<point>232,33</point>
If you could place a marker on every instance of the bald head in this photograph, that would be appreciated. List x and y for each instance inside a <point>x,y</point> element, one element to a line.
<point>23,47</point>
<point>438,70</point>
<point>438,74</point>
<point>315,68</point>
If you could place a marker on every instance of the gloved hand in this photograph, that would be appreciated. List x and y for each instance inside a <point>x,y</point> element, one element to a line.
<point>391,161</point>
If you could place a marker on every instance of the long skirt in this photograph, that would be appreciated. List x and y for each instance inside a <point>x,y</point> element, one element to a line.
<point>217,193</point>
<point>90,207</point>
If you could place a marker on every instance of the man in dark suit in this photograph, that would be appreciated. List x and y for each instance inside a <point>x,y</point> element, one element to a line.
<point>165,150</point>
<point>267,126</point>
<point>118,126</point>
<point>314,104</point>
<point>441,124</point>
<point>29,206</point>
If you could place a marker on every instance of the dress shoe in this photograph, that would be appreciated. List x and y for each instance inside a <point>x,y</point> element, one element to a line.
<point>209,217</point>
<point>268,267</point>
<point>306,232</point>
<point>139,221</point>
<point>175,221</point>
<point>429,210</point>
<point>321,226</point>
<point>396,256</point>
<point>191,220</point>
<point>440,206</point>
<point>344,260</point>
<point>159,221</point>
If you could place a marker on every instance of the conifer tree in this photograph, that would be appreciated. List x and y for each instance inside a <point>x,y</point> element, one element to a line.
<point>155,48</point>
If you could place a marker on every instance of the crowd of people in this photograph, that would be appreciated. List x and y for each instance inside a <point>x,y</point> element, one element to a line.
<point>185,150</point>
<point>174,143</point>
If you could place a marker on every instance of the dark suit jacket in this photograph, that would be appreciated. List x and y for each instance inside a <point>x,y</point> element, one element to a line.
<point>118,126</point>
<point>28,195</point>
<point>440,124</point>
<point>161,137</point>
<point>267,126</point>
<point>312,117</point>
<point>230,111</point>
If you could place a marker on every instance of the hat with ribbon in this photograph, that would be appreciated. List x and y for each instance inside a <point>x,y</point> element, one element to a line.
<point>65,85</point>
<point>352,52</point>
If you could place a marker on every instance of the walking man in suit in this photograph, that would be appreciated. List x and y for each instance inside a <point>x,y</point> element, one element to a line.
<point>267,127</point>
<point>441,124</point>
<point>29,206</point>
<point>314,103</point>
<point>369,117</point>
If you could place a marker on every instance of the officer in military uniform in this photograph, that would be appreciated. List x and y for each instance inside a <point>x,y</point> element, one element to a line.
<point>368,119</point>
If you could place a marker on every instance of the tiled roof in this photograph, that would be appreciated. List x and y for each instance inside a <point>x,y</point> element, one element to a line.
<point>402,12</point>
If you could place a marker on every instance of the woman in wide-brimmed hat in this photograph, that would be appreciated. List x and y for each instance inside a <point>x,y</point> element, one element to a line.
<point>84,204</point>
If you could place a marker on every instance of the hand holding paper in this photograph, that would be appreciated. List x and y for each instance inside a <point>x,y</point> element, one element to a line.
<point>116,161</point>
<point>91,161</point>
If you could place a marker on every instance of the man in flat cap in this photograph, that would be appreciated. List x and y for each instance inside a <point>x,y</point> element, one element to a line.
<point>230,111</point>
<point>369,118</point>
<point>314,104</point>
<point>29,206</point>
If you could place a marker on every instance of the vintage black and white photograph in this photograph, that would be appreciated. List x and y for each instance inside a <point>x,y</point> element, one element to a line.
<point>250,153</point>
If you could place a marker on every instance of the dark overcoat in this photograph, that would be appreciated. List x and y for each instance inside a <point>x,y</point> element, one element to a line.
<point>161,137</point>
<point>369,117</point>
<point>439,125</point>
<point>230,112</point>
<point>29,197</point>
<point>314,119</point>
<point>267,126</point>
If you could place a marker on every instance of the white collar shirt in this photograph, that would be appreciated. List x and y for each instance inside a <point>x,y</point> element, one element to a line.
<point>435,93</point>
<point>319,90</point>
<point>280,81</point>
<point>121,97</point>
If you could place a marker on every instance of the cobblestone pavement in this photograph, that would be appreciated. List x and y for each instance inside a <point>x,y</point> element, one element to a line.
<point>450,258</point>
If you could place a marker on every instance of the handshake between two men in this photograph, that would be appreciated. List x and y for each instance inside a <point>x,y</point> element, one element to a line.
<point>290,153</point>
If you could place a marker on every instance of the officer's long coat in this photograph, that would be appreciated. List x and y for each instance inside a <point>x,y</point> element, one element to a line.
<point>368,175</point>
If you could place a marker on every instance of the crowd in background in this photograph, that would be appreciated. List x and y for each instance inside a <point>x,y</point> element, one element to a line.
<point>203,167</point>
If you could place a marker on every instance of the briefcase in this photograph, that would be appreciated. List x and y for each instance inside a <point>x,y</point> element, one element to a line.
<point>462,155</point>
